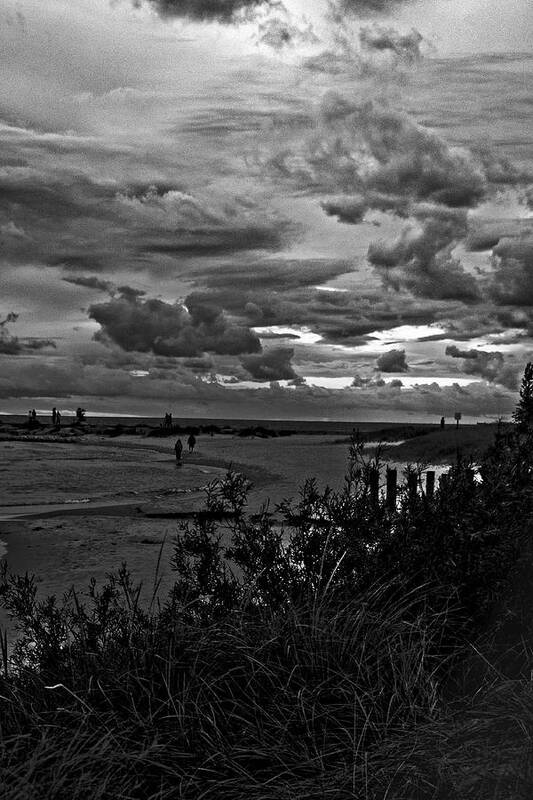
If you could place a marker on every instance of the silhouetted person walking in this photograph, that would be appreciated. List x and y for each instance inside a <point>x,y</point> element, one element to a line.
<point>58,419</point>
<point>442,423</point>
<point>178,449</point>
<point>54,416</point>
<point>191,441</point>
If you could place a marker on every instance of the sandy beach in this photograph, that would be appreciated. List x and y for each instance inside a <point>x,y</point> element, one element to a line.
<point>76,508</point>
<point>72,511</point>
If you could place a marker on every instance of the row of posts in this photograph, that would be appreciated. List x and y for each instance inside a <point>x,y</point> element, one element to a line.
<point>392,486</point>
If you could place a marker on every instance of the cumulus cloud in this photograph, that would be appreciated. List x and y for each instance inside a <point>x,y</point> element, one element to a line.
<point>392,361</point>
<point>404,45</point>
<point>367,155</point>
<point>365,148</point>
<point>421,260</point>
<point>512,281</point>
<point>349,209</point>
<point>489,365</point>
<point>272,365</point>
<point>171,329</point>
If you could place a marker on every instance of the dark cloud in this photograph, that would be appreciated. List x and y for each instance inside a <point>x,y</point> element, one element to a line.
<point>421,260</point>
<point>489,365</point>
<point>392,361</point>
<point>130,293</point>
<point>349,209</point>
<point>272,365</point>
<point>512,281</point>
<point>171,329</point>
<point>225,11</point>
<point>365,148</point>
<point>404,45</point>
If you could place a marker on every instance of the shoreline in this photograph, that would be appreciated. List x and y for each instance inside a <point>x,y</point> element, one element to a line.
<point>107,499</point>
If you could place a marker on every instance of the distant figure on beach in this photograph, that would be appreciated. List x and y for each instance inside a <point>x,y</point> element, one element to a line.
<point>58,419</point>
<point>54,416</point>
<point>178,449</point>
<point>191,441</point>
<point>442,422</point>
<point>34,415</point>
<point>168,420</point>
<point>80,414</point>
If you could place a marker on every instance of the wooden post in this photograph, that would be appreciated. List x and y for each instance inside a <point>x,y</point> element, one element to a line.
<point>430,484</point>
<point>391,489</point>
<point>412,485</point>
<point>374,486</point>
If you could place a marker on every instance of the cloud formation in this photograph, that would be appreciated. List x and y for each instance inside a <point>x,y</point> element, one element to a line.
<point>272,365</point>
<point>362,8</point>
<point>13,346</point>
<point>404,45</point>
<point>489,365</point>
<point>381,154</point>
<point>224,11</point>
<point>152,325</point>
<point>280,32</point>
<point>90,282</point>
<point>512,280</point>
<point>392,361</point>
<point>421,260</point>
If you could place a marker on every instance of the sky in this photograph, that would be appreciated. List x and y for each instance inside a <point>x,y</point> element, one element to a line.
<point>280,210</point>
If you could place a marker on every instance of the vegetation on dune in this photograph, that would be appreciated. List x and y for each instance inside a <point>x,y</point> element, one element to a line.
<point>307,658</point>
<point>441,446</point>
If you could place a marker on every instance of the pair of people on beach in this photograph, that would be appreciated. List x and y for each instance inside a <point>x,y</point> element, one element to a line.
<point>178,447</point>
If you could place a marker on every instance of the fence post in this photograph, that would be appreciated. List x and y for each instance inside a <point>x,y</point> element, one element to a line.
<point>391,488</point>
<point>374,486</point>
<point>430,484</point>
<point>412,485</point>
